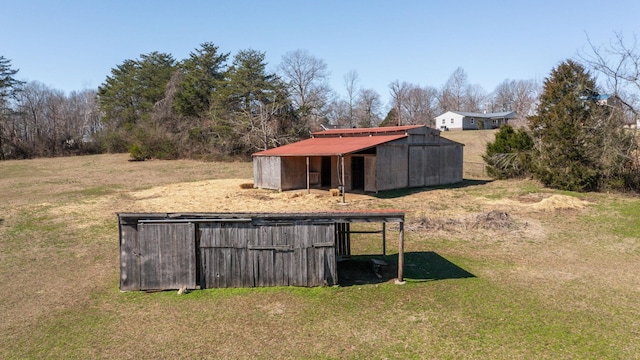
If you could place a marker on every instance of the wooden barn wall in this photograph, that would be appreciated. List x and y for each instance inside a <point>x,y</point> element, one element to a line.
<point>451,168</point>
<point>267,254</point>
<point>267,172</point>
<point>370,184</point>
<point>392,166</point>
<point>294,173</point>
<point>432,160</point>
<point>315,166</point>
<point>417,165</point>
<point>156,256</point>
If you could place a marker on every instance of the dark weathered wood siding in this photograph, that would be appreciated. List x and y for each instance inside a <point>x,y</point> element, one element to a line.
<point>167,256</point>
<point>267,254</point>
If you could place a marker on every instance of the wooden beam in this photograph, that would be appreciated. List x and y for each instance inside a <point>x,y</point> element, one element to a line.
<point>400,279</point>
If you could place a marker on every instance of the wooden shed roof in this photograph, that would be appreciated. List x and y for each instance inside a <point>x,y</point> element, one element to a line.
<point>377,215</point>
<point>330,146</point>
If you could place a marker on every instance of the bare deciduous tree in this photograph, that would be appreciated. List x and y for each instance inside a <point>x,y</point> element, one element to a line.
<point>453,93</point>
<point>398,96</point>
<point>367,108</point>
<point>420,106</point>
<point>516,95</point>
<point>306,78</point>
<point>351,83</point>
<point>619,63</point>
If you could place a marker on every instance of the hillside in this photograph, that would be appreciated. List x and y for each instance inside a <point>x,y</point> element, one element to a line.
<point>474,146</point>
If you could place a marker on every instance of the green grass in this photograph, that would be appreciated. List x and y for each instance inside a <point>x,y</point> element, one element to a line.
<point>565,287</point>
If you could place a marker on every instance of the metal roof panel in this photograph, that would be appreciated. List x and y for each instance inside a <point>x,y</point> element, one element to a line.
<point>330,146</point>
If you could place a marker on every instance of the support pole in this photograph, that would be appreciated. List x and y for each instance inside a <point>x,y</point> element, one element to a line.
<point>308,180</point>
<point>400,279</point>
<point>344,185</point>
<point>384,239</point>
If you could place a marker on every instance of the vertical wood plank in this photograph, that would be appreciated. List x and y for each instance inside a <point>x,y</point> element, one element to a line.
<point>129,258</point>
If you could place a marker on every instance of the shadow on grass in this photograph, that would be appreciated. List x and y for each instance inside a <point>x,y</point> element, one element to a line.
<point>390,194</point>
<point>418,267</point>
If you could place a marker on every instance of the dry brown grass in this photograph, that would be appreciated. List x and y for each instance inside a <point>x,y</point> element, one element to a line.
<point>545,263</point>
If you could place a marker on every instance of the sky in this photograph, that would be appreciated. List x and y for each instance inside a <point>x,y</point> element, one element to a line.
<point>72,45</point>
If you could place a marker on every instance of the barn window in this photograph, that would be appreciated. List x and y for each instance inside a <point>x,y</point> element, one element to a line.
<point>443,121</point>
<point>473,121</point>
<point>452,120</point>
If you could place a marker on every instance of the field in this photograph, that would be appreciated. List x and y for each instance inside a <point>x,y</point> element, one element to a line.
<point>494,270</point>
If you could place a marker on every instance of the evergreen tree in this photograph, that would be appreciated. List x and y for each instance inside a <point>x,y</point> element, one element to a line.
<point>251,109</point>
<point>127,100</point>
<point>9,86</point>
<point>202,71</point>
<point>579,144</point>
<point>509,155</point>
<point>129,94</point>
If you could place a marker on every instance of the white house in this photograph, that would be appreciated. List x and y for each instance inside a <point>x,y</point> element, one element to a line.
<point>460,120</point>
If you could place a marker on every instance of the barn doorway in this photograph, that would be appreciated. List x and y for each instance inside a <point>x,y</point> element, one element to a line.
<point>357,173</point>
<point>325,171</point>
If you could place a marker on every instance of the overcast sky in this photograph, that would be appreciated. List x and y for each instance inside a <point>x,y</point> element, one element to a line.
<point>73,45</point>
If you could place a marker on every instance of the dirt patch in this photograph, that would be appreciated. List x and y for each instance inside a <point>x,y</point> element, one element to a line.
<point>542,202</point>
<point>492,220</point>
<point>231,195</point>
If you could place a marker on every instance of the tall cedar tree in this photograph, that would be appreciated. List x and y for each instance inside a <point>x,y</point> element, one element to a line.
<point>576,139</point>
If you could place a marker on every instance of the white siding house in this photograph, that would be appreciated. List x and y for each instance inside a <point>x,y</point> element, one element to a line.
<point>460,120</point>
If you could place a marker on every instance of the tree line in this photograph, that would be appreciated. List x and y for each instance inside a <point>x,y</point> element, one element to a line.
<point>214,105</point>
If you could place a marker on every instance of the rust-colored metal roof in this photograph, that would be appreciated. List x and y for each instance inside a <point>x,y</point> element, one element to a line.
<point>366,131</point>
<point>330,146</point>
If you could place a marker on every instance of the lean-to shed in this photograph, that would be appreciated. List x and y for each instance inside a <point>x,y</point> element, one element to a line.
<point>362,159</point>
<point>162,251</point>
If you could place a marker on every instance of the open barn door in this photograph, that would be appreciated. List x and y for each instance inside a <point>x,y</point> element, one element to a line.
<point>167,256</point>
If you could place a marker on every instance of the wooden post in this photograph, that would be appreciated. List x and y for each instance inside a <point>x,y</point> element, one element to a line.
<point>344,185</point>
<point>308,180</point>
<point>400,279</point>
<point>384,239</point>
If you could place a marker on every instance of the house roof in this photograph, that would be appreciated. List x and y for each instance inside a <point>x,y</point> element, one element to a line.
<point>330,146</point>
<point>496,115</point>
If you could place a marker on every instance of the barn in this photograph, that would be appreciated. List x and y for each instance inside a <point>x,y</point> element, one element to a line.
<point>164,251</point>
<point>361,160</point>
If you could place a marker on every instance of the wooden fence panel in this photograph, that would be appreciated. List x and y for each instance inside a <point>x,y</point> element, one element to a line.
<point>167,256</point>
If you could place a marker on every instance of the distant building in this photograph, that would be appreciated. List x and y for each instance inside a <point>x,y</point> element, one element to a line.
<point>461,120</point>
<point>629,116</point>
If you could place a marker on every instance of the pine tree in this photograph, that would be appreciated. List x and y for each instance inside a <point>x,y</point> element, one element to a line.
<point>9,86</point>
<point>202,71</point>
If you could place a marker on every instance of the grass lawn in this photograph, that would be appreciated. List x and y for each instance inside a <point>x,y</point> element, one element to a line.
<point>495,270</point>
